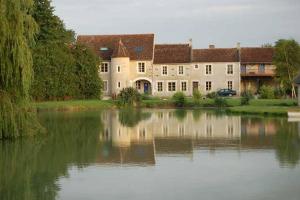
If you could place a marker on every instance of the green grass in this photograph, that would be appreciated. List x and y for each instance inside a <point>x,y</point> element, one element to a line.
<point>73,105</point>
<point>257,106</point>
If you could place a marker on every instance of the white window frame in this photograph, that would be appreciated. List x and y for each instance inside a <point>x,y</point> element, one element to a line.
<point>187,87</point>
<point>172,82</point>
<point>162,86</point>
<point>178,70</point>
<point>232,69</point>
<point>104,72</point>
<point>162,70</point>
<point>138,67</point>
<point>211,86</point>
<point>212,71</point>
<point>105,81</point>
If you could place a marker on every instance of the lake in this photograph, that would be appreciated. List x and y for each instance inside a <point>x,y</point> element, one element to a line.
<point>154,154</point>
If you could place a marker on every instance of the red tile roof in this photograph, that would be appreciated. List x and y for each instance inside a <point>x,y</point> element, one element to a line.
<point>216,55</point>
<point>139,46</point>
<point>257,55</point>
<point>172,53</point>
<point>120,51</point>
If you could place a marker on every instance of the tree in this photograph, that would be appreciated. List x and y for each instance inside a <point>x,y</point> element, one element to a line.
<point>17,30</point>
<point>287,61</point>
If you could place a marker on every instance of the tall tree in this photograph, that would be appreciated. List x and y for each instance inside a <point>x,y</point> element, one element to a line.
<point>17,29</point>
<point>287,61</point>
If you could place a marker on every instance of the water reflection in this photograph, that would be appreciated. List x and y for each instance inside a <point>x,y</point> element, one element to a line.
<point>30,168</point>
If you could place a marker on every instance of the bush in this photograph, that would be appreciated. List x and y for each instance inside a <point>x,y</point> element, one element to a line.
<point>212,95</point>
<point>267,92</point>
<point>220,102</point>
<point>129,96</point>
<point>197,95</point>
<point>179,99</point>
<point>279,93</point>
<point>246,97</point>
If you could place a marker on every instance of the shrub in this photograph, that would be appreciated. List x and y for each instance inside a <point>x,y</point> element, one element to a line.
<point>129,96</point>
<point>197,95</point>
<point>220,102</point>
<point>179,99</point>
<point>267,92</point>
<point>246,97</point>
<point>279,93</point>
<point>212,95</point>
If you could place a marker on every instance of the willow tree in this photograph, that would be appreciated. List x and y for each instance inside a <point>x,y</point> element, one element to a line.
<point>17,30</point>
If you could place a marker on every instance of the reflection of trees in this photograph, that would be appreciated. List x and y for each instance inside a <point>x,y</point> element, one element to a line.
<point>180,114</point>
<point>29,168</point>
<point>130,117</point>
<point>287,144</point>
<point>197,114</point>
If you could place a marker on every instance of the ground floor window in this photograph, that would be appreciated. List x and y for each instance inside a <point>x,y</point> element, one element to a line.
<point>105,86</point>
<point>119,84</point>
<point>138,85</point>
<point>230,85</point>
<point>183,86</point>
<point>159,86</point>
<point>172,86</point>
<point>208,86</point>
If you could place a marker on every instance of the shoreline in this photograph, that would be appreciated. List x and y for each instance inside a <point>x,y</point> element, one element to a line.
<point>278,107</point>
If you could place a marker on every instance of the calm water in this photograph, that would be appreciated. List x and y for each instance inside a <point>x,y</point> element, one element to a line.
<point>154,154</point>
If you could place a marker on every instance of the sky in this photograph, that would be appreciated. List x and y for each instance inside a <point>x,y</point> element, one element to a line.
<point>223,23</point>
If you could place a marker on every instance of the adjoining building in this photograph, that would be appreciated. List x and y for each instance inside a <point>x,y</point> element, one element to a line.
<point>164,69</point>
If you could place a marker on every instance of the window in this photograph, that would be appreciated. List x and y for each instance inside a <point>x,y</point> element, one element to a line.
<point>119,84</point>
<point>208,69</point>
<point>105,86</point>
<point>159,86</point>
<point>141,67</point>
<point>165,70</point>
<point>230,85</point>
<point>119,69</point>
<point>262,68</point>
<point>138,85</point>
<point>208,86</point>
<point>180,70</point>
<point>104,67</point>
<point>183,86</point>
<point>172,86</point>
<point>229,69</point>
<point>103,49</point>
<point>196,66</point>
<point>243,68</point>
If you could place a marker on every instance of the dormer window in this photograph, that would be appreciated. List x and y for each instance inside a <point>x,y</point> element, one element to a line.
<point>103,49</point>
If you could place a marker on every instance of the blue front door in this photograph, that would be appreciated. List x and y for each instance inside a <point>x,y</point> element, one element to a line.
<point>146,88</point>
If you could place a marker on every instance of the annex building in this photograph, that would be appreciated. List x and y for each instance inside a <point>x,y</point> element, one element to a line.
<point>164,69</point>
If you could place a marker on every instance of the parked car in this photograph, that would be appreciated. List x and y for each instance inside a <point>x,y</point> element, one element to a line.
<point>226,92</point>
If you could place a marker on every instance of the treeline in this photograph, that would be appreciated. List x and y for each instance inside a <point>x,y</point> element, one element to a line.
<point>62,69</point>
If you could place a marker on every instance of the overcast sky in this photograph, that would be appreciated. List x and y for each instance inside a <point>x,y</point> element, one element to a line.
<point>219,22</point>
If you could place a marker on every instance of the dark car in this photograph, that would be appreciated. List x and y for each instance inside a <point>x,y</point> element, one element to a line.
<point>226,92</point>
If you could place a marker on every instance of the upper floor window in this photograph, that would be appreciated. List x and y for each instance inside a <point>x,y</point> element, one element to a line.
<point>119,69</point>
<point>165,70</point>
<point>243,68</point>
<point>119,84</point>
<point>104,67</point>
<point>196,66</point>
<point>208,69</point>
<point>229,69</point>
<point>262,68</point>
<point>141,67</point>
<point>180,70</point>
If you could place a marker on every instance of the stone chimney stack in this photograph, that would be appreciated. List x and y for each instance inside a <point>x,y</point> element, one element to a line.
<point>191,49</point>
<point>238,47</point>
<point>211,46</point>
<point>191,42</point>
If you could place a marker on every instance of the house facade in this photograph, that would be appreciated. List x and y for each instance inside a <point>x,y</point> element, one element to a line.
<point>164,69</point>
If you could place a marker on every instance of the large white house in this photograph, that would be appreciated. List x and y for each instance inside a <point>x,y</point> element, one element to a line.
<point>164,69</point>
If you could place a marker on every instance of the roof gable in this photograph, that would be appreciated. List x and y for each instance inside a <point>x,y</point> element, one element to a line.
<point>216,55</point>
<point>139,46</point>
<point>172,53</point>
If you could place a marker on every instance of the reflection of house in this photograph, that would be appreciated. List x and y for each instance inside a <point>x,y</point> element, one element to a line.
<point>163,69</point>
<point>179,132</point>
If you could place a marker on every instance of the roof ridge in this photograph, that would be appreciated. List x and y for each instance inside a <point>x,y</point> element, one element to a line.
<point>99,35</point>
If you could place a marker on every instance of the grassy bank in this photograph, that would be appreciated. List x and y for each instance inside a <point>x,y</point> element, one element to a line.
<point>257,106</point>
